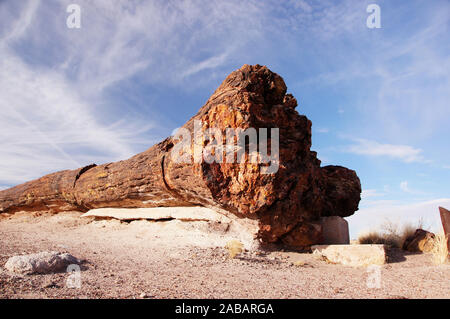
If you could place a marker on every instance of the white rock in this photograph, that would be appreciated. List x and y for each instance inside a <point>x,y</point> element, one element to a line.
<point>197,226</point>
<point>41,263</point>
<point>158,213</point>
<point>352,255</point>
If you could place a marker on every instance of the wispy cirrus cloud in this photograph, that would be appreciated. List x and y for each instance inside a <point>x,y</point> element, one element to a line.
<point>370,193</point>
<point>405,153</point>
<point>47,126</point>
<point>56,102</point>
<point>162,42</point>
<point>323,130</point>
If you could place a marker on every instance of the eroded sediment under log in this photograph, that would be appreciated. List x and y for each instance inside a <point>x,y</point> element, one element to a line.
<point>287,203</point>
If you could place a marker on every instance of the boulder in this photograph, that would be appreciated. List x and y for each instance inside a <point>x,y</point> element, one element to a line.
<point>40,263</point>
<point>420,241</point>
<point>335,231</point>
<point>352,255</point>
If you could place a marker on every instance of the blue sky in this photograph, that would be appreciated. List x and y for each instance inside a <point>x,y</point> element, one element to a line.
<point>136,70</point>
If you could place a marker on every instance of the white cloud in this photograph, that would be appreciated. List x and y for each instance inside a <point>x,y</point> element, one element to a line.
<point>43,120</point>
<point>19,26</point>
<point>46,124</point>
<point>404,153</point>
<point>209,63</point>
<point>372,217</point>
<point>368,193</point>
<point>162,42</point>
<point>54,97</point>
<point>323,130</point>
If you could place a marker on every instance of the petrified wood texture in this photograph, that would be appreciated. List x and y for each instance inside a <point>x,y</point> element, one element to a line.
<point>445,218</point>
<point>287,203</point>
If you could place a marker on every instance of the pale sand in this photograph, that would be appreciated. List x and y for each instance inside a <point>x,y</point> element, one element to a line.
<point>175,259</point>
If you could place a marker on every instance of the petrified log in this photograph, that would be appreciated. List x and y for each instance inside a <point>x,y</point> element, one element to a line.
<point>288,202</point>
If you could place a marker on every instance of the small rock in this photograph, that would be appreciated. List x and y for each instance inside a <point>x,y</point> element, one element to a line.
<point>41,263</point>
<point>420,241</point>
<point>298,263</point>
<point>352,255</point>
<point>50,284</point>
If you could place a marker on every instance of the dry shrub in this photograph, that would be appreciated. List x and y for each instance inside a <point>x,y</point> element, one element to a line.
<point>234,248</point>
<point>390,234</point>
<point>375,237</point>
<point>407,231</point>
<point>440,249</point>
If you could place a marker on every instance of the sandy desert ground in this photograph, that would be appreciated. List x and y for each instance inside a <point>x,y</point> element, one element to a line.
<point>141,260</point>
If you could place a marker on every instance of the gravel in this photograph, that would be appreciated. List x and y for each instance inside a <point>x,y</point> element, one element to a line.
<point>131,260</point>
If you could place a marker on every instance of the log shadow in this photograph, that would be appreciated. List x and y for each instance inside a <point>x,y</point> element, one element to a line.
<point>397,255</point>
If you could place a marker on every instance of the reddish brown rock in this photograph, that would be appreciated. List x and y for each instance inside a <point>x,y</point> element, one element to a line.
<point>420,241</point>
<point>445,218</point>
<point>335,231</point>
<point>288,203</point>
<point>304,235</point>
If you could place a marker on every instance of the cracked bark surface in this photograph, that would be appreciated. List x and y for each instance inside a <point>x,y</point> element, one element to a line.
<point>287,204</point>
